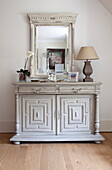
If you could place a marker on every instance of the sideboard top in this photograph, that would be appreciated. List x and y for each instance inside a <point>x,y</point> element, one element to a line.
<point>56,83</point>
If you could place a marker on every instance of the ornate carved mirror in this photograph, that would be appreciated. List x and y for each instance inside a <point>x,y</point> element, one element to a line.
<point>52,37</point>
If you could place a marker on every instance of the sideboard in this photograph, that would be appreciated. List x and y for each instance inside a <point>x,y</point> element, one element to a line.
<point>57,111</point>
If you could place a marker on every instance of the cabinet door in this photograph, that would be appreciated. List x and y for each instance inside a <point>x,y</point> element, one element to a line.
<point>37,114</point>
<point>75,114</point>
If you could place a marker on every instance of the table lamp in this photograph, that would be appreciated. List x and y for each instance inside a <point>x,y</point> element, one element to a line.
<point>87,53</point>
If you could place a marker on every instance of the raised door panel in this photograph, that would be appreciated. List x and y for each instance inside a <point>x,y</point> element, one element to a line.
<point>74,114</point>
<point>37,114</point>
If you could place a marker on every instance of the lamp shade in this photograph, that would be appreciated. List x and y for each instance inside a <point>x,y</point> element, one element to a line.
<point>87,53</point>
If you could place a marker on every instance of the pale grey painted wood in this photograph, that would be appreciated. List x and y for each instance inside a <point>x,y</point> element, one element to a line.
<point>17,115</point>
<point>97,122</point>
<point>91,137</point>
<point>74,114</point>
<point>57,111</point>
<point>38,114</point>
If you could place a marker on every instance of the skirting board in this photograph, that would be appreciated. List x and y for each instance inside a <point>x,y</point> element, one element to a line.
<point>9,126</point>
<point>105,125</point>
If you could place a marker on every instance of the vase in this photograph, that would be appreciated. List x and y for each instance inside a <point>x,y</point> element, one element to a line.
<point>22,76</point>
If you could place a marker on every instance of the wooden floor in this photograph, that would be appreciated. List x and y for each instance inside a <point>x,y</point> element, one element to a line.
<point>56,156</point>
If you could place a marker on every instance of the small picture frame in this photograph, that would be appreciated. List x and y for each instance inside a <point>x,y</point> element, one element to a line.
<point>73,76</point>
<point>59,69</point>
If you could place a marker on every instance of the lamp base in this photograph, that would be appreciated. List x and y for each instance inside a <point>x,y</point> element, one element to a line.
<point>87,80</point>
<point>87,70</point>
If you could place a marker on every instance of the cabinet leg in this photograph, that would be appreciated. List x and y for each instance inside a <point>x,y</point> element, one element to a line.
<point>98,142</point>
<point>17,143</point>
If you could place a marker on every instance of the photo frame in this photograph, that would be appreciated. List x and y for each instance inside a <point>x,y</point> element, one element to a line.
<point>59,69</point>
<point>56,56</point>
<point>73,76</point>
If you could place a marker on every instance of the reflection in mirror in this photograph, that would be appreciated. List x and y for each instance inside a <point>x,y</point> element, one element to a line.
<point>51,46</point>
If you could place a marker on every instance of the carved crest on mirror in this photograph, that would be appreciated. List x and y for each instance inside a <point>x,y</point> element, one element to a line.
<point>52,41</point>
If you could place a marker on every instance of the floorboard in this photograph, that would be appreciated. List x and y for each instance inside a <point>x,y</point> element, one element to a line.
<point>56,156</point>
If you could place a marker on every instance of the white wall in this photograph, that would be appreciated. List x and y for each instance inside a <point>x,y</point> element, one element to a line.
<point>93,27</point>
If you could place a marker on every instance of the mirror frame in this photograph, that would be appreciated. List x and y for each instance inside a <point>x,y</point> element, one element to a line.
<point>64,19</point>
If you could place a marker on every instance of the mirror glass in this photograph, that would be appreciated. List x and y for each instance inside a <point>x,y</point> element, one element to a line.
<point>52,47</point>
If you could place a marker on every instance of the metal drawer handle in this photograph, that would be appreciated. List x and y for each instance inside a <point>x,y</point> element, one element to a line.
<point>57,89</point>
<point>76,91</point>
<point>36,91</point>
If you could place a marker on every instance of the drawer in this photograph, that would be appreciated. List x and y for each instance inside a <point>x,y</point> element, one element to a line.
<point>57,89</point>
<point>77,89</point>
<point>37,90</point>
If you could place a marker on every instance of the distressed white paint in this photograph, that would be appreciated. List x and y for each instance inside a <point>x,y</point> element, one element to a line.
<point>44,115</point>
